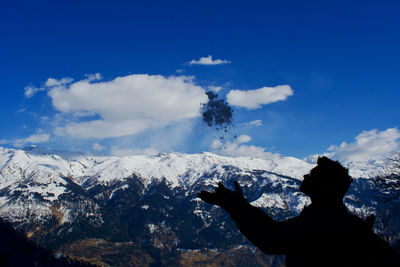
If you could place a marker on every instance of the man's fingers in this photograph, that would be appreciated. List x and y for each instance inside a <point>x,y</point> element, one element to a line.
<point>208,197</point>
<point>238,189</point>
<point>221,188</point>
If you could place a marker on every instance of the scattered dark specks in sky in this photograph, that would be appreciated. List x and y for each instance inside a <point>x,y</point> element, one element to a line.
<point>217,113</point>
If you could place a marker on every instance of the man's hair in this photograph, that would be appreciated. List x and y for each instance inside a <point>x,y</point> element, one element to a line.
<point>333,176</point>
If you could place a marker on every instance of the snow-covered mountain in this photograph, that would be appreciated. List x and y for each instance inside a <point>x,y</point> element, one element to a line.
<point>59,197</point>
<point>173,167</point>
<point>35,172</point>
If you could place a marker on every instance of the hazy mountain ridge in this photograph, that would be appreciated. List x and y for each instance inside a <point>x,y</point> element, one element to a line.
<point>149,201</point>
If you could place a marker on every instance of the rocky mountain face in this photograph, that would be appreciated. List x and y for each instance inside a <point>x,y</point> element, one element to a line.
<point>143,210</point>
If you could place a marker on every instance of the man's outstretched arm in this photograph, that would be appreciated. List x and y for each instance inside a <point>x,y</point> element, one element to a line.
<point>264,232</point>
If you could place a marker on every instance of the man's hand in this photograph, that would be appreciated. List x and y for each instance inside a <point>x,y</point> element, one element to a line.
<point>227,199</point>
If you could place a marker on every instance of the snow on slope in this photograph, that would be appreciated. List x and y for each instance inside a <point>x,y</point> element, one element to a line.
<point>44,167</point>
<point>174,166</point>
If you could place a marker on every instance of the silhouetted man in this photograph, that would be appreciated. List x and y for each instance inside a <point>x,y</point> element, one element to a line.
<point>324,234</point>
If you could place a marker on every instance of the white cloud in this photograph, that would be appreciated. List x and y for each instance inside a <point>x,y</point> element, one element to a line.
<point>237,148</point>
<point>37,138</point>
<point>127,104</point>
<point>215,88</point>
<point>208,61</point>
<point>131,152</point>
<point>32,139</point>
<point>256,123</point>
<point>243,139</point>
<point>31,90</point>
<point>216,144</point>
<point>368,145</point>
<point>253,99</point>
<point>94,77</point>
<point>44,119</point>
<point>51,82</point>
<point>98,147</point>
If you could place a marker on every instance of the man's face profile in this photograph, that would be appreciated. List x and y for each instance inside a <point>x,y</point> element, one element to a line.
<point>308,181</point>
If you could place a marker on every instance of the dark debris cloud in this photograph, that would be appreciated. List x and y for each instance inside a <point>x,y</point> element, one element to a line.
<point>217,113</point>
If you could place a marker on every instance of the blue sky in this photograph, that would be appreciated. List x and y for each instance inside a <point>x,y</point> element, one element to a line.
<point>337,64</point>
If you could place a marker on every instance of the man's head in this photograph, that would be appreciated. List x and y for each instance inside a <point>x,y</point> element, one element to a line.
<point>328,181</point>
